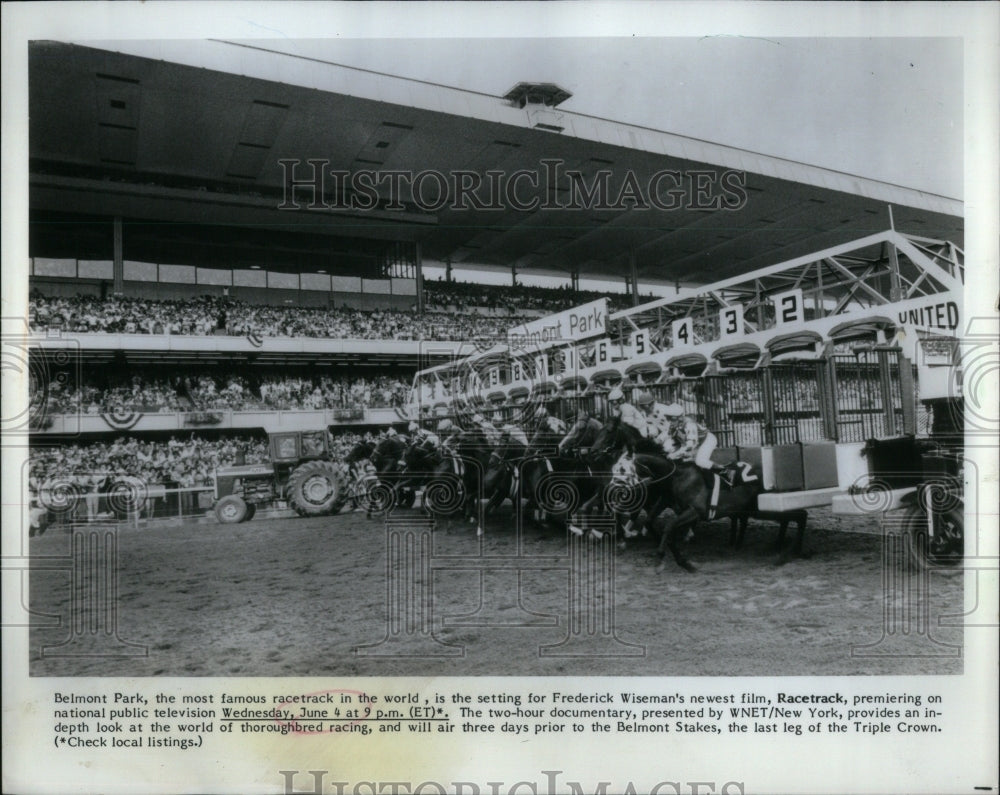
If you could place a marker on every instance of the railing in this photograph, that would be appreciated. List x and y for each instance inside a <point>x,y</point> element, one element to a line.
<point>845,398</point>
<point>55,339</point>
<point>268,420</point>
<point>131,502</point>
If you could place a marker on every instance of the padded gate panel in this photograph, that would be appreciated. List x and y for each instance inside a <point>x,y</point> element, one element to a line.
<point>819,465</point>
<point>787,467</point>
<point>724,455</point>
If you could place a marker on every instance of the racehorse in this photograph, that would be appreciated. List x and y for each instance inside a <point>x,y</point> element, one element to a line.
<point>688,490</point>
<point>607,482</point>
<point>385,457</point>
<point>360,452</point>
<point>502,473</point>
<point>534,471</point>
<point>455,483</point>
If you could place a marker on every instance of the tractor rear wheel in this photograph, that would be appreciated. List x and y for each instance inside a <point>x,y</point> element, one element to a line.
<point>313,488</point>
<point>231,509</point>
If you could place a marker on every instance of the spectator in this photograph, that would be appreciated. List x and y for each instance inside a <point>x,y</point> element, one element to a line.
<point>233,391</point>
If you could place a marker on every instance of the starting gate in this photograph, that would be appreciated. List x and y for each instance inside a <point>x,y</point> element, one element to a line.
<point>806,362</point>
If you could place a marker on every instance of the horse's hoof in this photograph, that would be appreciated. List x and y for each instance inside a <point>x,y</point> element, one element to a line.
<point>689,567</point>
<point>577,531</point>
<point>660,567</point>
<point>597,534</point>
<point>479,531</point>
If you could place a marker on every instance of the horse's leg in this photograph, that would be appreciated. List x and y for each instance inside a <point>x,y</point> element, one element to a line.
<point>800,517</point>
<point>676,536</point>
<point>742,522</point>
<point>779,541</point>
<point>581,513</point>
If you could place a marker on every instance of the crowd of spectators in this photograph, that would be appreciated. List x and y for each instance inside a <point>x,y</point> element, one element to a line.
<point>450,314</point>
<point>450,295</point>
<point>233,391</point>
<point>209,315</point>
<point>184,462</point>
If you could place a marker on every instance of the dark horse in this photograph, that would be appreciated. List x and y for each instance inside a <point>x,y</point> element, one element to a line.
<point>455,482</point>
<point>608,490</point>
<point>385,457</point>
<point>687,489</point>
<point>535,472</point>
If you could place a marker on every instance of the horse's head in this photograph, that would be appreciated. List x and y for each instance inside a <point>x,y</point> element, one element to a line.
<point>624,471</point>
<point>359,452</point>
<point>611,439</point>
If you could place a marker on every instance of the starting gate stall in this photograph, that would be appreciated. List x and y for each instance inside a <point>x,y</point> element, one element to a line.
<point>573,396</point>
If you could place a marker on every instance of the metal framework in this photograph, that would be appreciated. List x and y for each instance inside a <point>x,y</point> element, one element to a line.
<point>863,275</point>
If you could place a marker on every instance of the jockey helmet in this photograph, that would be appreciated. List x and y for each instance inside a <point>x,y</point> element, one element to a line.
<point>673,410</point>
<point>644,399</point>
<point>479,419</point>
<point>390,432</point>
<point>413,427</point>
<point>615,395</point>
<point>445,425</point>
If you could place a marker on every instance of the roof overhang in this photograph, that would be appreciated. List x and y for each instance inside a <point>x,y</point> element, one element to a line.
<point>223,120</point>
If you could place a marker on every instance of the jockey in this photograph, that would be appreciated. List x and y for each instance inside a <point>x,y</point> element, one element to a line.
<point>514,435</point>
<point>659,420</point>
<point>546,423</point>
<point>423,439</point>
<point>488,428</point>
<point>693,441</point>
<point>629,414</point>
<point>582,433</point>
<point>448,431</point>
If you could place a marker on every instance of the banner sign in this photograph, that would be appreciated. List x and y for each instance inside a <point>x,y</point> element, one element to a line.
<point>578,323</point>
<point>203,418</point>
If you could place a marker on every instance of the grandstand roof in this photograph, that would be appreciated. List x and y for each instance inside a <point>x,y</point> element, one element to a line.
<point>195,135</point>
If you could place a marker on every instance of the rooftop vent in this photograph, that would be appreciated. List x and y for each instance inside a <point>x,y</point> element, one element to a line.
<point>548,94</point>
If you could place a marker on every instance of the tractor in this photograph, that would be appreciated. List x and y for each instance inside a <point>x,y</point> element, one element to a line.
<point>300,472</point>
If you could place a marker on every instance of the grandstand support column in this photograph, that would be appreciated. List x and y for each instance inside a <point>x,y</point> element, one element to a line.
<point>574,279</point>
<point>117,258</point>
<point>447,269</point>
<point>418,268</point>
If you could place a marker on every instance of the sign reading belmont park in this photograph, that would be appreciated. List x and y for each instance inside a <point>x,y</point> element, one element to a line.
<point>578,323</point>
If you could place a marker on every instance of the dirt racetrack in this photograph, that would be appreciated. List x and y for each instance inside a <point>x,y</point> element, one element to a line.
<point>294,597</point>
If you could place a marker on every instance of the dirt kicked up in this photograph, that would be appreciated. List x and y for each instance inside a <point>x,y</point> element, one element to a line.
<point>296,597</point>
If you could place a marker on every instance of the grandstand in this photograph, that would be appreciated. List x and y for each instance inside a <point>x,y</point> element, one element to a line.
<point>195,283</point>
